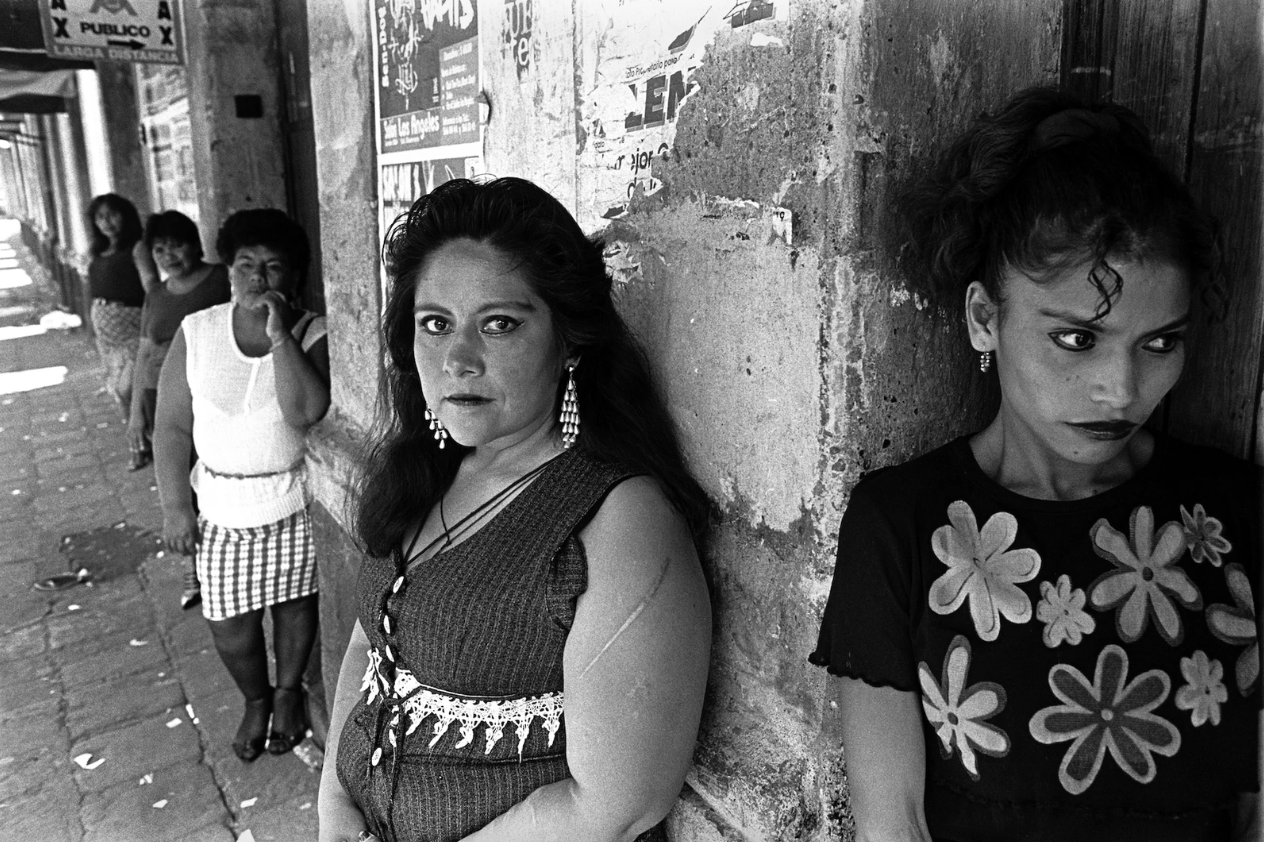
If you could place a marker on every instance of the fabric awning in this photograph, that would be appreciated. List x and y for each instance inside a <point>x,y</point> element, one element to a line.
<point>33,92</point>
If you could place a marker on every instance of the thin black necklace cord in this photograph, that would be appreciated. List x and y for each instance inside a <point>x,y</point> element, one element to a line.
<point>456,529</point>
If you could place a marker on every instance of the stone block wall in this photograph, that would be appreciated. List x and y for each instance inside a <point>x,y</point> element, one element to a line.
<point>753,254</point>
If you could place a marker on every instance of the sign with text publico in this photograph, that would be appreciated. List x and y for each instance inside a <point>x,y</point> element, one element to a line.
<point>143,31</point>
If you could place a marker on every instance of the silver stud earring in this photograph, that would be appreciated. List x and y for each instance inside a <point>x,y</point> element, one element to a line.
<point>985,361</point>
<point>436,426</point>
<point>570,411</point>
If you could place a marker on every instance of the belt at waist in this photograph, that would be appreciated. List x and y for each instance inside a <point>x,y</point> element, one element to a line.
<point>225,475</point>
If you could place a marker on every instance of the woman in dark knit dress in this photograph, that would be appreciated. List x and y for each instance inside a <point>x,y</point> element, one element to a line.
<point>117,297</point>
<point>1048,630</point>
<point>533,636</point>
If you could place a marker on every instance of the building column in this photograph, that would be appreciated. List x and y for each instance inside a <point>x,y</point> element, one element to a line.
<point>117,83</point>
<point>235,108</point>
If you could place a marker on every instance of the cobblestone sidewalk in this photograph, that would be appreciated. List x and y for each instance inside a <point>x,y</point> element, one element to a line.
<point>116,714</point>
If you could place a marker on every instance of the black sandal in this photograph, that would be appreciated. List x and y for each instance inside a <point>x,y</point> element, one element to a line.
<point>294,702</point>
<point>252,733</point>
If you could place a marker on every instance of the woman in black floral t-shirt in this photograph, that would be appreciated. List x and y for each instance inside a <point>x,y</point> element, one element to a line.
<point>1048,630</point>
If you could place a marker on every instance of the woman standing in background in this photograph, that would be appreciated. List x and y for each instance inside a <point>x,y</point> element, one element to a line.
<point>243,381</point>
<point>172,246</point>
<point>117,298</point>
<point>177,282</point>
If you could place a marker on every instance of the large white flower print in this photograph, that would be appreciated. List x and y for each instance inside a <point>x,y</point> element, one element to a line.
<point>983,569</point>
<point>957,711</point>
<point>1108,714</point>
<point>1145,574</point>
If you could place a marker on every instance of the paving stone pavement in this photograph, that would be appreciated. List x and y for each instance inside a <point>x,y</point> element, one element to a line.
<point>116,714</point>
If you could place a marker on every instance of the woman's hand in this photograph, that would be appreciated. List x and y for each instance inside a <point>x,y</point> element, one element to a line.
<point>180,531</point>
<point>280,315</point>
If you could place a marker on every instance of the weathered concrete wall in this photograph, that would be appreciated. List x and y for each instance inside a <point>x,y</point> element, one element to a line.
<point>342,110</point>
<point>341,59</point>
<point>239,160</point>
<point>755,258</point>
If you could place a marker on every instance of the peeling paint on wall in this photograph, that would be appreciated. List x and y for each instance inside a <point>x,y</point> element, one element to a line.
<point>648,51</point>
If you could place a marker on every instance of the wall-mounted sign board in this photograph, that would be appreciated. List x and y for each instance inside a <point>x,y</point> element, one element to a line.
<point>116,30</point>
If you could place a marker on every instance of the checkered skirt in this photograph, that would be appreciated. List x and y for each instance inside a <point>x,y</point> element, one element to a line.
<point>245,569</point>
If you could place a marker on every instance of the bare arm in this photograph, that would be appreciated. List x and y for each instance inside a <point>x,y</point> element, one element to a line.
<point>886,761</point>
<point>340,819</point>
<point>302,378</point>
<point>173,444</point>
<point>635,669</point>
<point>145,266</point>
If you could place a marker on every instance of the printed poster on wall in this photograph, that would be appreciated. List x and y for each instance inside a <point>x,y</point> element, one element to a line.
<point>426,58</point>
<point>648,53</point>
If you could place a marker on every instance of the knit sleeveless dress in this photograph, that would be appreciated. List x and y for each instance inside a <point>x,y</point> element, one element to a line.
<point>476,638</point>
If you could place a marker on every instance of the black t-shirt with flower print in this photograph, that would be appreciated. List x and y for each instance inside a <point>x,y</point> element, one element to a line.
<point>1087,669</point>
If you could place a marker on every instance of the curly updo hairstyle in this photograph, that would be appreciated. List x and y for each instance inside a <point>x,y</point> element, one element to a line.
<point>1047,182</point>
<point>624,419</point>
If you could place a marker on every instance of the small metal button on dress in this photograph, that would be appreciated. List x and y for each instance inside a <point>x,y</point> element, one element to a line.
<point>386,623</point>
<point>399,583</point>
<point>390,656</point>
<point>377,756</point>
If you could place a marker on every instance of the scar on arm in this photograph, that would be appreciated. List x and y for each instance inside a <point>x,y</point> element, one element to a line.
<point>636,612</point>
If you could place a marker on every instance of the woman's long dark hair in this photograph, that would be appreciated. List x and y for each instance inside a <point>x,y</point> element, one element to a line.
<point>623,419</point>
<point>131,231</point>
<point>1044,183</point>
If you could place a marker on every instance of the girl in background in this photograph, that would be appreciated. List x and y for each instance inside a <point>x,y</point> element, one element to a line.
<point>1046,630</point>
<point>117,297</point>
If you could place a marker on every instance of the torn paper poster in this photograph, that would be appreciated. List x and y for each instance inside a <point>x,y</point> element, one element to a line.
<point>639,74</point>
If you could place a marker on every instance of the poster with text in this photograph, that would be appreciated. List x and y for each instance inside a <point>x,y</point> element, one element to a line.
<point>427,57</point>
<point>399,185</point>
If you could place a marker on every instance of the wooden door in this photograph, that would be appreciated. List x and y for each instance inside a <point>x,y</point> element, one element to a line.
<point>1192,70</point>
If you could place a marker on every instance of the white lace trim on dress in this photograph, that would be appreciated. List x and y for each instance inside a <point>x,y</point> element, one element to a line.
<point>420,702</point>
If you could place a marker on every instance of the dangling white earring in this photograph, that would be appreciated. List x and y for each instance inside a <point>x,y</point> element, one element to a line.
<point>570,411</point>
<point>985,361</point>
<point>440,433</point>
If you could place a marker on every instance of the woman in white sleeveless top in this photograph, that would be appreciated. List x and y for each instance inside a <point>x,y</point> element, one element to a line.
<point>243,381</point>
